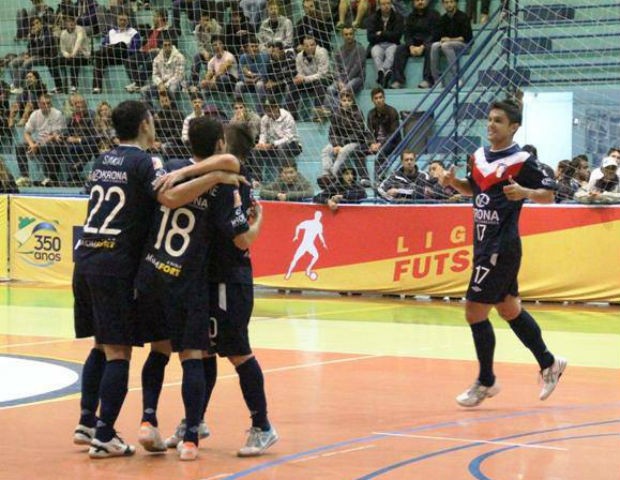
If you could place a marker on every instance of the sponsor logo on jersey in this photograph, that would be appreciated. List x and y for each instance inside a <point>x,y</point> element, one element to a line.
<point>108,176</point>
<point>489,217</point>
<point>201,203</point>
<point>157,163</point>
<point>38,241</point>
<point>171,269</point>
<point>482,200</point>
<point>112,160</point>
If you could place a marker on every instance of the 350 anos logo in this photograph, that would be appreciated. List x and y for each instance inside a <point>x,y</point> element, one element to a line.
<point>38,242</point>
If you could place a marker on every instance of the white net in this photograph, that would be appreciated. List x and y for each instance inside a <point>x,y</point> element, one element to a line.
<point>239,60</point>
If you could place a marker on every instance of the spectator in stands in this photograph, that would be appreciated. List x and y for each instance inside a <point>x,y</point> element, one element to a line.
<point>42,138</point>
<point>385,27</point>
<point>187,6</point>
<point>597,173</point>
<point>29,97</point>
<point>106,135</point>
<point>168,72</point>
<point>39,10</point>
<point>222,71</point>
<point>313,75</point>
<point>253,11</point>
<point>7,118</point>
<point>243,115</point>
<point>419,32</point>
<point>280,72</point>
<point>453,34</point>
<point>80,138</point>
<point>278,141</point>
<point>349,68</point>
<point>566,182</point>
<point>7,182</point>
<point>406,184</point>
<point>87,16</point>
<point>141,61</point>
<point>432,188</point>
<point>354,8</point>
<point>41,50</point>
<point>347,136</point>
<point>581,168</point>
<point>605,189</point>
<point>311,24</point>
<point>289,187</point>
<point>383,122</point>
<point>344,189</point>
<point>65,9</point>
<point>276,28</point>
<point>117,47</point>
<point>471,8</point>
<point>169,126</point>
<point>206,28</point>
<point>197,111</point>
<point>75,50</point>
<point>252,69</point>
<point>235,32</point>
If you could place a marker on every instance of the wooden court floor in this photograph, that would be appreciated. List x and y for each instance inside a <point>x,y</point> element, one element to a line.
<point>358,388</point>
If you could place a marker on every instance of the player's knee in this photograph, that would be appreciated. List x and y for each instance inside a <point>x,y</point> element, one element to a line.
<point>238,360</point>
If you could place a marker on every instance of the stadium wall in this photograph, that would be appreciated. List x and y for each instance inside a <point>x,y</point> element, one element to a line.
<point>570,251</point>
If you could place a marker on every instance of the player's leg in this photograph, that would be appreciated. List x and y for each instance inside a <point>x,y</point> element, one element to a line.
<point>193,392</point>
<point>209,364</point>
<point>528,331</point>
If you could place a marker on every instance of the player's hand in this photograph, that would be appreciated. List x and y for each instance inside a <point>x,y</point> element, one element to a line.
<point>447,179</point>
<point>256,211</point>
<point>230,178</point>
<point>167,181</point>
<point>514,191</point>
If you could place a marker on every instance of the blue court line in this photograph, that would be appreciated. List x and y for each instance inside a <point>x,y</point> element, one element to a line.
<point>433,426</point>
<point>474,466</point>
<point>426,456</point>
<point>68,390</point>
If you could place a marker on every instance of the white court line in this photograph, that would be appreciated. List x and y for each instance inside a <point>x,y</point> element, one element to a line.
<point>469,440</point>
<point>219,475</point>
<point>45,342</point>
<point>331,454</point>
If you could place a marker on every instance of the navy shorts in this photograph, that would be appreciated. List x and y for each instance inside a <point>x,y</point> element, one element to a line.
<point>104,307</point>
<point>231,307</point>
<point>494,277</point>
<point>184,320</point>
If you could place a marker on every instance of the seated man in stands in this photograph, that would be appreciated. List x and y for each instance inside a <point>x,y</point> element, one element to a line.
<point>382,122</point>
<point>406,184</point>
<point>313,75</point>
<point>312,25</point>
<point>81,139</point>
<point>276,28</point>
<point>222,74</point>
<point>605,189</point>
<point>385,27</point>
<point>343,189</point>
<point>290,186</point>
<point>168,126</point>
<point>252,69</point>
<point>434,190</point>
<point>75,51</point>
<point>420,29</point>
<point>597,173</point>
<point>566,182</point>
<point>43,139</point>
<point>197,111</point>
<point>280,72</point>
<point>168,72</point>
<point>278,141</point>
<point>581,167</point>
<point>204,32</point>
<point>117,46</point>
<point>452,36</point>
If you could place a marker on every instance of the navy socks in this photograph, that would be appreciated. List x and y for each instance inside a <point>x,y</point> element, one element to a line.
<point>253,389</point>
<point>92,372</point>
<point>484,340</point>
<point>152,381</point>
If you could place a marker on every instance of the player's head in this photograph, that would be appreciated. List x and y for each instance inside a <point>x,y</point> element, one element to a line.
<point>133,121</point>
<point>206,137</point>
<point>511,107</point>
<point>239,140</point>
<point>503,121</point>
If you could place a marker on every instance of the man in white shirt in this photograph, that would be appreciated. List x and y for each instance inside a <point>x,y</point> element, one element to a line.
<point>597,173</point>
<point>42,138</point>
<point>75,50</point>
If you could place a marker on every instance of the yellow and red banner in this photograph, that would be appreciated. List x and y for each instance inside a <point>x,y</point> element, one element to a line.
<point>570,252</point>
<point>41,237</point>
<point>4,236</point>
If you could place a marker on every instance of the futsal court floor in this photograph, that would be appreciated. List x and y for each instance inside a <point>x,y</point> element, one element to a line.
<point>358,388</point>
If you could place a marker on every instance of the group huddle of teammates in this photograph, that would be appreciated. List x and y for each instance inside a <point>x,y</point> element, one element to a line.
<point>163,259</point>
<point>180,240</point>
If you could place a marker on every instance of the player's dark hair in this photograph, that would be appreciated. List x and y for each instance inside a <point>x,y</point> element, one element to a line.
<point>239,140</point>
<point>204,132</point>
<point>511,107</point>
<point>127,117</point>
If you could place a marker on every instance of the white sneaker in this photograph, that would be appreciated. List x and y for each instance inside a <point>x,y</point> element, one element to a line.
<point>551,376</point>
<point>258,441</point>
<point>83,435</point>
<point>187,451</point>
<point>474,395</point>
<point>177,437</point>
<point>131,87</point>
<point>150,438</point>
<point>96,90</point>
<point>114,448</point>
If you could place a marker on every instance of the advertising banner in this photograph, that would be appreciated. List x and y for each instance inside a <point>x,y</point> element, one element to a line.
<point>4,236</point>
<point>42,234</point>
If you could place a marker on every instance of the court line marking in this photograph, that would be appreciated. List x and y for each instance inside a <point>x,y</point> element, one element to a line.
<point>213,477</point>
<point>468,440</point>
<point>331,454</point>
<point>45,342</point>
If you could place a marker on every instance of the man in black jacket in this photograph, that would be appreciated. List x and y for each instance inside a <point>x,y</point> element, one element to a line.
<point>384,31</point>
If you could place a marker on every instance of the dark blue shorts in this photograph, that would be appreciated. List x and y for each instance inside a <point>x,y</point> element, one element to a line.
<point>184,320</point>
<point>104,307</point>
<point>492,279</point>
<point>231,307</point>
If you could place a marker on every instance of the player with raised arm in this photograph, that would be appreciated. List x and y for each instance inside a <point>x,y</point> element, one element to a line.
<point>120,207</point>
<point>500,178</point>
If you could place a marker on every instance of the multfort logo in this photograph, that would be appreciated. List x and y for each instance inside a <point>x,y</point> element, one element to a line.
<point>38,241</point>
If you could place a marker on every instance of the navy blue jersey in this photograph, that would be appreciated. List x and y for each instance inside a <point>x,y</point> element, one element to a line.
<point>229,218</point>
<point>496,219</point>
<point>177,246</point>
<point>120,207</point>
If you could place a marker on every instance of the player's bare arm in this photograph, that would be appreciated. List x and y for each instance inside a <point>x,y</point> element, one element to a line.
<point>448,179</point>
<point>516,192</point>
<point>244,240</point>
<point>186,192</point>
<point>223,161</point>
